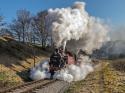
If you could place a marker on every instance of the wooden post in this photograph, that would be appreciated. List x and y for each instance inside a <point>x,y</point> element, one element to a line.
<point>34,57</point>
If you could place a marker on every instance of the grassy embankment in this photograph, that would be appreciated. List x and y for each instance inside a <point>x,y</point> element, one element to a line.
<point>15,60</point>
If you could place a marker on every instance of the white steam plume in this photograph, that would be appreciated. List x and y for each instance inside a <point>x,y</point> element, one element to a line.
<point>73,28</point>
<point>116,46</point>
<point>75,72</point>
<point>70,73</point>
<point>117,33</point>
<point>40,71</point>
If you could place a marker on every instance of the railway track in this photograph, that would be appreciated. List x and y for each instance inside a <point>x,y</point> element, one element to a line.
<point>28,87</point>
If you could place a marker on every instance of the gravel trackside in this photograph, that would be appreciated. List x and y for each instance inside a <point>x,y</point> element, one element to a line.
<point>56,87</point>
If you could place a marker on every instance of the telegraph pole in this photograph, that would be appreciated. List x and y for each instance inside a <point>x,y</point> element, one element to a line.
<point>34,53</point>
<point>34,59</point>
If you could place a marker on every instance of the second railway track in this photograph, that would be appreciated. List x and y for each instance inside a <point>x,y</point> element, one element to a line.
<point>28,87</point>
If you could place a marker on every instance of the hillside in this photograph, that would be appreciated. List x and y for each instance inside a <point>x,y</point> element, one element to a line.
<point>108,78</point>
<point>111,49</point>
<point>16,58</point>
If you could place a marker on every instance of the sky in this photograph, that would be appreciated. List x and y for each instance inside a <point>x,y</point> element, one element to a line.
<point>113,11</point>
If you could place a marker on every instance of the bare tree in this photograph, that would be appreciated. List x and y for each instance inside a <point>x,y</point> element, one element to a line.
<point>1,21</point>
<point>15,27</point>
<point>30,28</point>
<point>20,25</point>
<point>23,20</point>
<point>3,29</point>
<point>40,24</point>
<point>34,30</point>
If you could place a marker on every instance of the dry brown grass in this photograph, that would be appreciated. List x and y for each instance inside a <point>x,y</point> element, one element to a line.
<point>16,59</point>
<point>8,77</point>
<point>105,80</point>
<point>119,65</point>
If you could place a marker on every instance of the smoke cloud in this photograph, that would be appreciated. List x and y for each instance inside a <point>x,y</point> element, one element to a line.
<point>70,73</point>
<point>117,43</point>
<point>117,34</point>
<point>116,46</point>
<point>75,29</point>
<point>40,71</point>
<point>75,72</point>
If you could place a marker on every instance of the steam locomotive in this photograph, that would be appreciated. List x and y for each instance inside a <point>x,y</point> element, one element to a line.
<point>60,59</point>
